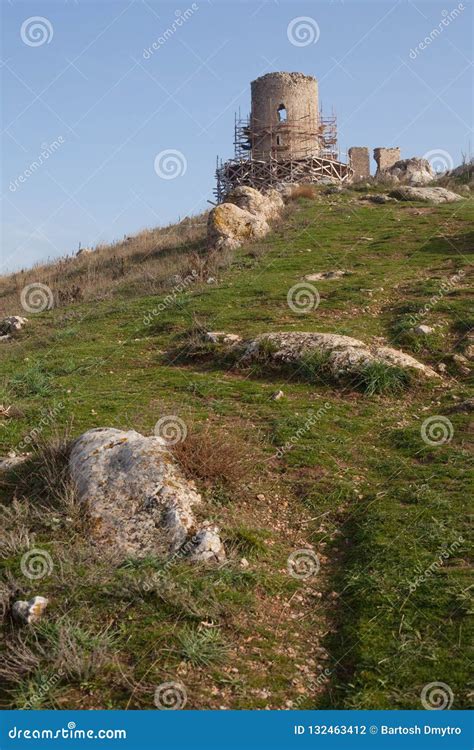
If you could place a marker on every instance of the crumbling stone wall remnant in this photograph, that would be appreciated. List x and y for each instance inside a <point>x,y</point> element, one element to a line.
<point>386,158</point>
<point>359,160</point>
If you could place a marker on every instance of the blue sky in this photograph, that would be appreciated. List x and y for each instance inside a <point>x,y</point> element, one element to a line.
<point>78,86</point>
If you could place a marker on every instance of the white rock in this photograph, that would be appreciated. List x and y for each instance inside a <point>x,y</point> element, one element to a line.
<point>414,171</point>
<point>29,612</point>
<point>268,204</point>
<point>135,497</point>
<point>345,355</point>
<point>229,226</point>
<point>12,460</point>
<point>326,275</point>
<point>221,337</point>
<point>11,324</point>
<point>422,329</point>
<point>433,194</point>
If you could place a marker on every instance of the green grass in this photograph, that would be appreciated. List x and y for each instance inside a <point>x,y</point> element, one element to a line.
<point>356,481</point>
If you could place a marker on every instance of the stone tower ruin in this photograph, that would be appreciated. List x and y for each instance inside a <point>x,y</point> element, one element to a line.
<point>284,119</point>
<point>285,139</point>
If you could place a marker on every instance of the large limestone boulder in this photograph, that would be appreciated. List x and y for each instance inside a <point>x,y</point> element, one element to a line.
<point>433,194</point>
<point>344,355</point>
<point>266,205</point>
<point>412,171</point>
<point>135,497</point>
<point>229,226</point>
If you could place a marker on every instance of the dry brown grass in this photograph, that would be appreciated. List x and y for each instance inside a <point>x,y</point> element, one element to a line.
<point>302,191</point>
<point>214,456</point>
<point>143,264</point>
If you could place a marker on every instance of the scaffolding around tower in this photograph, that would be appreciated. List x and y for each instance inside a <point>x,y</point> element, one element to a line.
<point>279,165</point>
<point>285,139</point>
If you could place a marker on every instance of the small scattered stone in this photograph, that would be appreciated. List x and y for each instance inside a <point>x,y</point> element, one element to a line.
<point>422,329</point>
<point>29,612</point>
<point>244,563</point>
<point>326,275</point>
<point>11,324</point>
<point>461,363</point>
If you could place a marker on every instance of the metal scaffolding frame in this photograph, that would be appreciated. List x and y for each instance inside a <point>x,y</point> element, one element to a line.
<point>312,164</point>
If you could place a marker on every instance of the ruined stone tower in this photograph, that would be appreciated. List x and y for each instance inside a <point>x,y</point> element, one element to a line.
<point>284,140</point>
<point>284,119</point>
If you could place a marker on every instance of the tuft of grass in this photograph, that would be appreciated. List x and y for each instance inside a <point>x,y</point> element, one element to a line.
<point>379,377</point>
<point>314,366</point>
<point>203,646</point>
<point>33,381</point>
<point>247,541</point>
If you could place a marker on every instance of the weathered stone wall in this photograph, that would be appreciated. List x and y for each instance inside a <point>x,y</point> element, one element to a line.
<point>386,158</point>
<point>359,160</point>
<point>271,134</point>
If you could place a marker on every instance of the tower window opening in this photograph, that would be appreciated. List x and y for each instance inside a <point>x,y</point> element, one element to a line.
<point>279,141</point>
<point>282,113</point>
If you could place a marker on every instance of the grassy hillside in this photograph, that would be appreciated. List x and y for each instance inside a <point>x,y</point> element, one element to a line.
<point>380,506</point>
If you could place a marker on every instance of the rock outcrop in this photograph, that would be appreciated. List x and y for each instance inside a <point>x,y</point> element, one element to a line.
<point>414,171</point>
<point>343,355</point>
<point>268,204</point>
<point>229,226</point>
<point>136,499</point>
<point>433,194</point>
<point>243,217</point>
